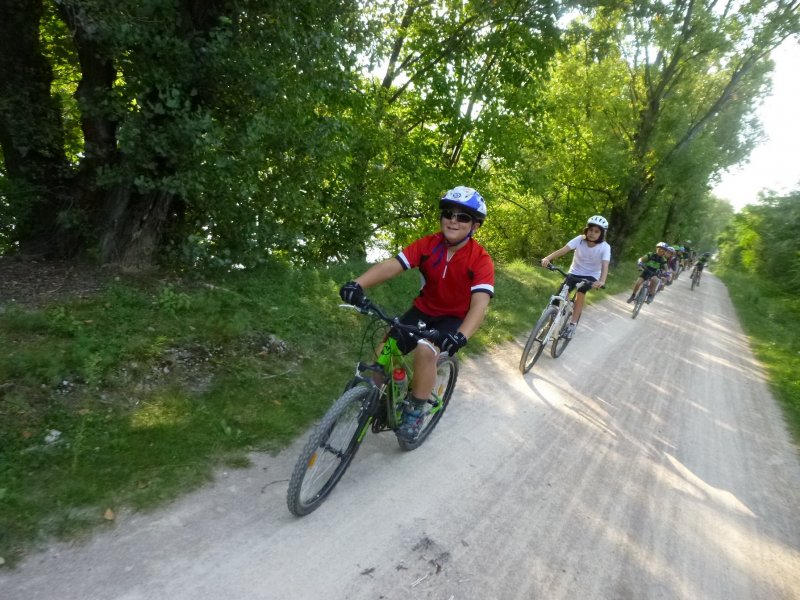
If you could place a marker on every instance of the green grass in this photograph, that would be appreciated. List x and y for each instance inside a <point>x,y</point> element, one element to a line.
<point>153,384</point>
<point>771,319</point>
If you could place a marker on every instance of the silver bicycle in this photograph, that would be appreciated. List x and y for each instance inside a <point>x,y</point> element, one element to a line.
<point>552,325</point>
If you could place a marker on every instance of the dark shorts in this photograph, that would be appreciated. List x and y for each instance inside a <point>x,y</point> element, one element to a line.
<point>413,316</point>
<point>573,280</point>
<point>647,273</point>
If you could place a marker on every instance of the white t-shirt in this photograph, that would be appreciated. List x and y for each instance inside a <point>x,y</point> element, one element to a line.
<point>588,261</point>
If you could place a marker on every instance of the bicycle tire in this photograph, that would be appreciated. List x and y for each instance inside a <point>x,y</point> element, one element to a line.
<point>336,438</point>
<point>535,341</point>
<point>446,376</point>
<point>694,281</point>
<point>641,296</point>
<point>560,343</point>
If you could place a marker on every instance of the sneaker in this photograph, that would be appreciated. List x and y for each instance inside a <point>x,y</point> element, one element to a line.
<point>650,298</point>
<point>569,332</point>
<point>412,422</point>
<point>631,299</point>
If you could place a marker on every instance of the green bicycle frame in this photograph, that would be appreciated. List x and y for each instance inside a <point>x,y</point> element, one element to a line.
<point>390,359</point>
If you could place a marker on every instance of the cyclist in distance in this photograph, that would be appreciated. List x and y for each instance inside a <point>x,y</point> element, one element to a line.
<point>458,282</point>
<point>683,253</point>
<point>651,265</point>
<point>701,263</point>
<point>672,265</point>
<point>590,263</point>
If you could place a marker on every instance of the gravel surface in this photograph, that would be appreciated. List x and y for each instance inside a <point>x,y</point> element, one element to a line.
<point>648,461</point>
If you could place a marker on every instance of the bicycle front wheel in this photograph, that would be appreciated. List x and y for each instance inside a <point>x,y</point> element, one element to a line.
<point>329,450</point>
<point>446,376</point>
<point>641,296</point>
<point>535,344</point>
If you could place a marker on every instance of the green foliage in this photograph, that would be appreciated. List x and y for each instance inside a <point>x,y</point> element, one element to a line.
<point>146,396</point>
<point>762,241</point>
<point>315,131</point>
<point>667,86</point>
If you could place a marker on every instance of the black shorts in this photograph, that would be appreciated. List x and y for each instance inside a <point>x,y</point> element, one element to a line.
<point>573,280</point>
<point>413,316</point>
<point>647,273</point>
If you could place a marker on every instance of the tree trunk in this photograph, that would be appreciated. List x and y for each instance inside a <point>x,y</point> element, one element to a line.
<point>133,229</point>
<point>626,217</point>
<point>669,220</point>
<point>98,125</point>
<point>31,136</point>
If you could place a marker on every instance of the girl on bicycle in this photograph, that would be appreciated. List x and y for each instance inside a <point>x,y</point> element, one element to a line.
<point>458,277</point>
<point>589,263</point>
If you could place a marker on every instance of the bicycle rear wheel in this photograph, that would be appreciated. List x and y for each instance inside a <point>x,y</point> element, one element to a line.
<point>446,376</point>
<point>560,343</point>
<point>329,450</point>
<point>695,277</point>
<point>535,344</point>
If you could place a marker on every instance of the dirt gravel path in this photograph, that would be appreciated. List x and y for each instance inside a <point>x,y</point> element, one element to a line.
<point>649,461</point>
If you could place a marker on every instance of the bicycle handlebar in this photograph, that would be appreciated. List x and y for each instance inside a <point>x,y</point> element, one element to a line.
<point>552,267</point>
<point>367,307</point>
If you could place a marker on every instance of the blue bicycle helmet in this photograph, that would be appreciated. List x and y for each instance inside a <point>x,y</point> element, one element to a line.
<point>466,199</point>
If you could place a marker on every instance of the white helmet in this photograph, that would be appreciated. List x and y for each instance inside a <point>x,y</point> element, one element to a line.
<point>599,221</point>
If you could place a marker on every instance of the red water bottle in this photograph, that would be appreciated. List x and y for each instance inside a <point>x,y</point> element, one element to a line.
<point>400,384</point>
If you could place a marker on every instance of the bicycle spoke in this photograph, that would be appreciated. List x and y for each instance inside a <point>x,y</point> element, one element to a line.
<point>537,340</point>
<point>322,464</point>
<point>446,375</point>
<point>329,450</point>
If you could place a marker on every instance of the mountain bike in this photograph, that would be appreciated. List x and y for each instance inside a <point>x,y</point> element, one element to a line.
<point>696,273</point>
<point>372,400</point>
<point>641,297</point>
<point>551,325</point>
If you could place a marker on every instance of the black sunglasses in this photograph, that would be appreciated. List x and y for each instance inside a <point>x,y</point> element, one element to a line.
<point>458,216</point>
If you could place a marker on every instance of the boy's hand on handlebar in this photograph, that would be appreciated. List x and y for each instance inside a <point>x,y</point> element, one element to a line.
<point>451,342</point>
<point>545,262</point>
<point>352,293</point>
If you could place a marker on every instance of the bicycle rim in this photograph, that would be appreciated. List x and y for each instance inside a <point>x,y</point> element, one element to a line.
<point>446,376</point>
<point>329,450</point>
<point>535,344</point>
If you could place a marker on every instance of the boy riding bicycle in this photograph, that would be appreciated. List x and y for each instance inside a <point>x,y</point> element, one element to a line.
<point>651,264</point>
<point>700,264</point>
<point>458,284</point>
<point>589,263</point>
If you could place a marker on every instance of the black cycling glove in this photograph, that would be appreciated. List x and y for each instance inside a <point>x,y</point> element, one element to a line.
<point>352,293</point>
<point>452,342</point>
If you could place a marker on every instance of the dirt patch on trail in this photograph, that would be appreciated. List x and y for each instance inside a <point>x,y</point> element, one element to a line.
<point>37,282</point>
